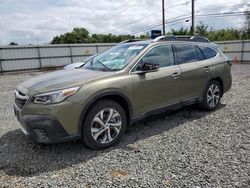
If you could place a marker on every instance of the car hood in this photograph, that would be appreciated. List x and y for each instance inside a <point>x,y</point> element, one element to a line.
<point>61,79</point>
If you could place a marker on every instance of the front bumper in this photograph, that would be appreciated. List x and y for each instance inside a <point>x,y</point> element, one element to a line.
<point>43,128</point>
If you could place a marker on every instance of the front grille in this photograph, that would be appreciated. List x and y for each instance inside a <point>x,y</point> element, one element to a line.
<point>20,99</point>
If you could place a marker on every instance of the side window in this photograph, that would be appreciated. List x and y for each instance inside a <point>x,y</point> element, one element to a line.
<point>162,55</point>
<point>208,52</point>
<point>187,53</point>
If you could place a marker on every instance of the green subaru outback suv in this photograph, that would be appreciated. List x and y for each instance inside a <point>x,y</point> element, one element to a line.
<point>119,86</point>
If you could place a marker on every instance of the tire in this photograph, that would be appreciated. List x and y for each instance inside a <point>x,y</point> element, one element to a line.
<point>211,101</point>
<point>104,125</point>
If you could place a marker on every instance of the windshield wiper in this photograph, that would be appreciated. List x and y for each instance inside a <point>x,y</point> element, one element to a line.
<point>105,66</point>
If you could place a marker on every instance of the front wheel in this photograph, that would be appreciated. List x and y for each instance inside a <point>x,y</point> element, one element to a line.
<point>211,96</point>
<point>104,125</point>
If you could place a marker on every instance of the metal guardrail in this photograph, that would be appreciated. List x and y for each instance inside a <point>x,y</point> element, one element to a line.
<point>238,50</point>
<point>16,58</point>
<point>1,68</point>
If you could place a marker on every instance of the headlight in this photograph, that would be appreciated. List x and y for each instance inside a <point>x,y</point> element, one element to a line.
<point>55,96</point>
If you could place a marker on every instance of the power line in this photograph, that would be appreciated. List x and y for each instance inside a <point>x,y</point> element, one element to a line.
<point>201,15</point>
<point>105,18</point>
<point>219,8</point>
<point>157,12</point>
<point>125,5</point>
<point>116,9</point>
<point>158,24</point>
<point>222,7</point>
<point>122,5</point>
<point>149,15</point>
<point>222,14</point>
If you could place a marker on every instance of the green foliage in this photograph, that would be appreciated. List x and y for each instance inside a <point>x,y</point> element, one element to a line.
<point>181,31</point>
<point>81,35</point>
<point>144,36</point>
<point>13,43</point>
<point>202,29</point>
<point>105,38</point>
<point>212,35</point>
<point>78,35</point>
<point>224,34</point>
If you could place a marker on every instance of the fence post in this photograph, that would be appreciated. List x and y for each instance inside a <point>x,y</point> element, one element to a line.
<point>1,66</point>
<point>242,51</point>
<point>39,57</point>
<point>97,49</point>
<point>71,54</point>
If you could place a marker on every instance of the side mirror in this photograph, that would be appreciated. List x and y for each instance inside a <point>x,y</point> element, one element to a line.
<point>150,67</point>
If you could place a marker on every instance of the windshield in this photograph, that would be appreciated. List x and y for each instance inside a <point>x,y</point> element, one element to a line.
<point>90,58</point>
<point>115,58</point>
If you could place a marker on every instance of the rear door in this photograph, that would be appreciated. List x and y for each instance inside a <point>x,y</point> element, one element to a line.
<point>158,89</point>
<point>196,70</point>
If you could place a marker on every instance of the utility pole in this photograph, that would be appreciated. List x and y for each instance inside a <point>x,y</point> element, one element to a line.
<point>163,17</point>
<point>193,20</point>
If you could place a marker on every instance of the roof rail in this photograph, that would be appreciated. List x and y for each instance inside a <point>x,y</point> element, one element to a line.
<point>164,38</point>
<point>181,38</point>
<point>130,40</point>
<point>197,38</point>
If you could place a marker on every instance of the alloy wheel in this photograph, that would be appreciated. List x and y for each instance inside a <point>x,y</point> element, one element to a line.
<point>213,95</point>
<point>106,125</point>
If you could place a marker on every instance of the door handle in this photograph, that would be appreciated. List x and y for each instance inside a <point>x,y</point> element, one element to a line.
<point>176,75</point>
<point>207,69</point>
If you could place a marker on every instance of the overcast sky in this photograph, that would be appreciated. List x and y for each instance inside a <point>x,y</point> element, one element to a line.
<point>38,21</point>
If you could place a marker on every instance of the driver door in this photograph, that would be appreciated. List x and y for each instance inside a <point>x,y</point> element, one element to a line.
<point>154,90</point>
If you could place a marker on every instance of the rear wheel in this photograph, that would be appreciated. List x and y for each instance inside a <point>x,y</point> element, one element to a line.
<point>104,125</point>
<point>211,96</point>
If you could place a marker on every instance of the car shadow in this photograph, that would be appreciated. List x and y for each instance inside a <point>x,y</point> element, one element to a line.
<point>20,157</point>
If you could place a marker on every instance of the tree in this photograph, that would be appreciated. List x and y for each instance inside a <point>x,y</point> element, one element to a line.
<point>213,35</point>
<point>224,34</point>
<point>202,29</point>
<point>13,43</point>
<point>77,35</point>
<point>181,31</point>
<point>144,36</point>
<point>81,35</point>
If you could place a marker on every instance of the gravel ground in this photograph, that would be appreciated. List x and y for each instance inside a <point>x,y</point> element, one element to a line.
<point>183,148</point>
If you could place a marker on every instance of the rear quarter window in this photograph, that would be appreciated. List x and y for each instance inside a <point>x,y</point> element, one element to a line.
<point>188,54</point>
<point>208,52</point>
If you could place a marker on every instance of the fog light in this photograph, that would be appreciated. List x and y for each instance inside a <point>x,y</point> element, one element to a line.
<point>42,134</point>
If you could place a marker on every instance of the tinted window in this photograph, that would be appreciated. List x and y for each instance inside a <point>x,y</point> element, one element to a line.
<point>208,52</point>
<point>162,55</point>
<point>188,54</point>
<point>200,55</point>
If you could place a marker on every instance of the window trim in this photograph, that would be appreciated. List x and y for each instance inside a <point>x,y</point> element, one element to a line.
<point>169,44</point>
<point>217,53</point>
